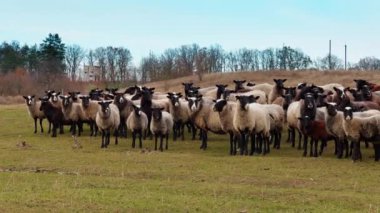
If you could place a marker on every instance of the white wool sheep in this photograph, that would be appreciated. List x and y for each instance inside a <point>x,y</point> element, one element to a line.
<point>137,122</point>
<point>203,117</point>
<point>73,112</point>
<point>107,119</point>
<point>160,126</point>
<point>226,110</point>
<point>33,106</point>
<point>252,118</point>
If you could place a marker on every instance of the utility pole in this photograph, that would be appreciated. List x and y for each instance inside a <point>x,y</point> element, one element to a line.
<point>345,57</point>
<point>329,54</point>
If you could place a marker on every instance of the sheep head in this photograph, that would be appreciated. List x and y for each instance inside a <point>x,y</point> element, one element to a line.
<point>219,105</point>
<point>29,99</point>
<point>348,113</point>
<point>157,113</point>
<point>105,107</point>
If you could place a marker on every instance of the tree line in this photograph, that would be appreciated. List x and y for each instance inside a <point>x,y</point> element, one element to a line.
<point>52,59</point>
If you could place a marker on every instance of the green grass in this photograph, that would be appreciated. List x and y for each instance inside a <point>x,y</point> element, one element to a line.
<point>52,176</point>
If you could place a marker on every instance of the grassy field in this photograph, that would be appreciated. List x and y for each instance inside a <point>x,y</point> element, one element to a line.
<point>49,175</point>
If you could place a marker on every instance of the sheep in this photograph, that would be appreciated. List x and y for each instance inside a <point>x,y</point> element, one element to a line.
<point>90,108</point>
<point>277,115</point>
<point>357,127</point>
<point>265,87</point>
<point>360,83</point>
<point>216,92</point>
<point>230,95</point>
<point>292,114</point>
<point>53,114</point>
<point>107,119</point>
<point>35,112</point>
<point>180,112</point>
<point>334,127</point>
<point>277,90</point>
<point>160,126</point>
<point>226,110</point>
<point>74,96</point>
<point>137,122</point>
<point>125,109</point>
<point>204,117</point>
<point>73,112</point>
<point>316,130</point>
<point>252,118</point>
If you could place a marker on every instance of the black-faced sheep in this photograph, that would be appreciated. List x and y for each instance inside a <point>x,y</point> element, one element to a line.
<point>137,122</point>
<point>160,126</point>
<point>107,119</point>
<point>34,111</point>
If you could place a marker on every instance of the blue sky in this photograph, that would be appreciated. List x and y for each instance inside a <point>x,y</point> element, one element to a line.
<point>144,26</point>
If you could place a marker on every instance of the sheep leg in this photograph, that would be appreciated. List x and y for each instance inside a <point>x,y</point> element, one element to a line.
<point>242,141</point>
<point>300,139</point>
<point>279,139</point>
<point>167,141</point>
<point>293,136</point>
<point>311,147</point>
<point>61,129</point>
<point>155,141</point>
<point>205,138</point>
<point>140,137</point>
<point>346,146</point>
<point>161,141</point>
<point>133,138</point>
<point>42,128</point>
<point>91,129</point>
<point>108,137</point>
<point>289,136</point>
<point>49,127</point>
<point>183,131</point>
<point>366,144</point>
<point>35,125</point>
<point>54,134</point>
<point>305,146</point>
<point>253,144</point>
<point>266,144</point>
<point>231,143</point>
<point>376,147</point>
<point>236,141</point>
<point>355,152</point>
<point>73,128</point>
<point>260,141</point>
<point>96,129</point>
<point>116,133</point>
<point>175,131</point>
<point>316,148</point>
<point>194,132</point>
<point>103,139</point>
<point>140,141</point>
<point>80,127</point>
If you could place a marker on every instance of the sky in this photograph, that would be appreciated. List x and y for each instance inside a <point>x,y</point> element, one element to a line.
<point>143,26</point>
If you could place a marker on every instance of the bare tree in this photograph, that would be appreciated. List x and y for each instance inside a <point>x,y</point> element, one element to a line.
<point>100,56</point>
<point>74,56</point>
<point>123,59</point>
<point>91,58</point>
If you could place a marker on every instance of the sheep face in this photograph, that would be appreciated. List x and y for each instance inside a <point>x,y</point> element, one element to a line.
<point>193,92</point>
<point>339,92</point>
<point>348,113</point>
<point>360,83</point>
<point>291,91</point>
<point>309,101</point>
<point>66,100</point>
<point>85,101</point>
<point>105,108</point>
<point>29,99</point>
<point>366,91</point>
<point>331,109</point>
<point>95,94</point>
<point>251,84</point>
<point>279,83</point>
<point>137,110</point>
<point>157,113</point>
<point>321,99</point>
<point>54,96</point>
<point>239,84</point>
<point>194,103</point>
<point>44,103</point>
<point>119,99</point>
<point>187,87</point>
<point>174,98</point>
<point>219,105</point>
<point>301,86</point>
<point>74,95</point>
<point>112,90</point>
<point>49,92</point>
<point>246,100</point>
<point>220,90</point>
<point>288,100</point>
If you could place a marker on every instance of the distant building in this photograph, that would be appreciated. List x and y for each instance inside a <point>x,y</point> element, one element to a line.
<point>91,73</point>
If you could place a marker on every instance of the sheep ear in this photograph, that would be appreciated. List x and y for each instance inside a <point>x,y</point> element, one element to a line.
<point>336,89</point>
<point>26,98</point>
<point>179,95</point>
<point>152,88</point>
<point>186,99</point>
<point>257,97</point>
<point>243,81</point>
<point>237,97</point>
<point>250,84</point>
<point>82,97</point>
<point>214,101</point>
<point>61,96</point>
<point>235,81</point>
<point>275,80</point>
<point>283,80</point>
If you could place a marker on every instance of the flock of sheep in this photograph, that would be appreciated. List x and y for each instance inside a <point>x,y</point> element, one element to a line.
<point>249,114</point>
